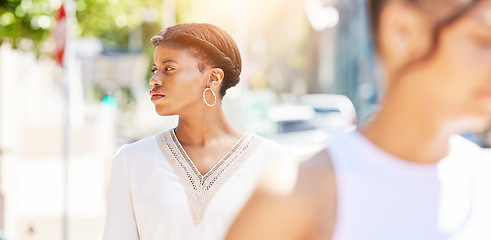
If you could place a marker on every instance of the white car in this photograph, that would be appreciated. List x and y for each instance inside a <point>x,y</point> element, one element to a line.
<point>305,127</point>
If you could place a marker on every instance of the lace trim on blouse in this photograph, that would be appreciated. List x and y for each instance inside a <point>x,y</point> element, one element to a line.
<point>200,189</point>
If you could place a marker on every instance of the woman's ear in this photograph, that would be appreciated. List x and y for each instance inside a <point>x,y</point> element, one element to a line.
<point>404,34</point>
<point>216,77</point>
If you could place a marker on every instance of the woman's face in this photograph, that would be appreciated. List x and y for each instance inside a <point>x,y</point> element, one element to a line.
<point>177,83</point>
<point>456,79</point>
<point>463,62</point>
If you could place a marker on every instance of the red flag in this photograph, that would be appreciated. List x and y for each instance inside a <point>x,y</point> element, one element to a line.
<point>60,35</point>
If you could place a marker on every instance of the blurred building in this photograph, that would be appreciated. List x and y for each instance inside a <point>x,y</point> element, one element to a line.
<point>32,138</point>
<point>355,65</point>
<point>343,56</point>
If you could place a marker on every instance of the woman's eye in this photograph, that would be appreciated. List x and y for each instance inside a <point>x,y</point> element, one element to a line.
<point>169,68</point>
<point>154,71</point>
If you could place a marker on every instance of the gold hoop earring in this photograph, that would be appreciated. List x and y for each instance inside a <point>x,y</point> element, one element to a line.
<point>214,96</point>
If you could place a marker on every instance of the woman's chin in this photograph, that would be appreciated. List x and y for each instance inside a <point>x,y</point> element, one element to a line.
<point>162,112</point>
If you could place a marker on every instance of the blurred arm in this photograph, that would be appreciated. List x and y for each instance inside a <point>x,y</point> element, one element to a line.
<point>120,219</point>
<point>273,213</point>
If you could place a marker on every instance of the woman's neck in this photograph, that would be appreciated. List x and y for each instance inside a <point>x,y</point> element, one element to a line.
<point>202,127</point>
<point>409,130</point>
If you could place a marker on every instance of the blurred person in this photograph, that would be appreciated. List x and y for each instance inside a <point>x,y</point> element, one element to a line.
<point>406,174</point>
<point>188,182</point>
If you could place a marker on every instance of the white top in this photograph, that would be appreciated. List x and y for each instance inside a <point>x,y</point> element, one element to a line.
<point>381,197</point>
<point>156,192</point>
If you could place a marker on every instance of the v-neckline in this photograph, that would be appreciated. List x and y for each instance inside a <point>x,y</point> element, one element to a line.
<point>216,165</point>
<point>201,189</point>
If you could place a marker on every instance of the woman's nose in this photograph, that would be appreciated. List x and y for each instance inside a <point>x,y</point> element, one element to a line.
<point>155,81</point>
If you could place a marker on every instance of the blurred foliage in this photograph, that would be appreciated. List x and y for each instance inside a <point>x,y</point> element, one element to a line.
<point>113,20</point>
<point>279,41</point>
<point>28,24</point>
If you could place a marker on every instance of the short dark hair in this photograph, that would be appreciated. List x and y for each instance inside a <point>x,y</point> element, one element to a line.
<point>212,45</point>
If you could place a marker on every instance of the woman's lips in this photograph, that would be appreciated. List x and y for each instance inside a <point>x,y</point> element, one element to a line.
<point>156,95</point>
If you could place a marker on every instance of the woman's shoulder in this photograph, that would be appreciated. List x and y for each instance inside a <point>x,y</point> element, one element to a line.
<point>463,148</point>
<point>271,145</point>
<point>468,155</point>
<point>139,147</point>
<point>463,144</point>
<point>268,149</point>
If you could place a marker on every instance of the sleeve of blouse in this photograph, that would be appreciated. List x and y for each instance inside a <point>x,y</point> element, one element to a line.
<point>120,218</point>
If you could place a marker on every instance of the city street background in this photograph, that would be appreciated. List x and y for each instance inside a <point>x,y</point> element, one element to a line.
<point>308,70</point>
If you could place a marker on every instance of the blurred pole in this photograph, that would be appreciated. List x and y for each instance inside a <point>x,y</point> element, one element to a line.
<point>168,13</point>
<point>327,54</point>
<point>67,65</point>
<point>323,17</point>
<point>135,41</point>
<point>2,201</point>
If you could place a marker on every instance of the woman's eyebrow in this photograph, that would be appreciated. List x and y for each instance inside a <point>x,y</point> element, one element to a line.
<point>168,60</point>
<point>164,62</point>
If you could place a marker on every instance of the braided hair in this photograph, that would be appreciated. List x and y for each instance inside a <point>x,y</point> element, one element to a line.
<point>212,45</point>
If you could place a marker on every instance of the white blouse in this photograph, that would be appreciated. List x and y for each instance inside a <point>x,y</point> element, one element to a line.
<point>156,192</point>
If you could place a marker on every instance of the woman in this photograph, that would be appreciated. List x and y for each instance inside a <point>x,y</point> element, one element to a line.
<point>191,181</point>
<point>405,174</point>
